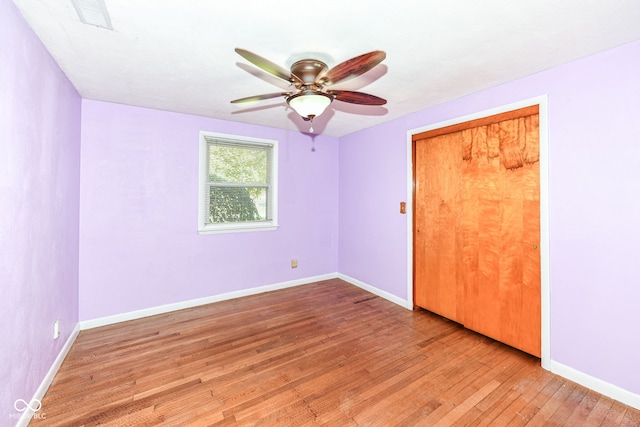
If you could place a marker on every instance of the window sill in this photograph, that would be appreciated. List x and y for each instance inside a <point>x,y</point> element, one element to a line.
<point>237,228</point>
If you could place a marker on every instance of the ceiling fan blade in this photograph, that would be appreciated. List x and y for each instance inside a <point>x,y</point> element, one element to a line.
<point>353,67</point>
<point>356,97</point>
<point>259,97</point>
<point>268,66</point>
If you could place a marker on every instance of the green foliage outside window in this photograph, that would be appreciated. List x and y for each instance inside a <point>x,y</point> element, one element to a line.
<point>238,183</point>
<point>232,204</point>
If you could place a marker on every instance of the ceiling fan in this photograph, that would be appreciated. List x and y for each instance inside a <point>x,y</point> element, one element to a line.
<point>310,78</point>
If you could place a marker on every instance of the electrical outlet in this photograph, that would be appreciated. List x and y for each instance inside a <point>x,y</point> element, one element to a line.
<point>294,263</point>
<point>56,329</point>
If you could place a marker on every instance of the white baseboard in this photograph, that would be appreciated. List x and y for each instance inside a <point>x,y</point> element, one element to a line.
<point>383,294</point>
<point>138,314</point>
<point>28,414</point>
<point>625,396</point>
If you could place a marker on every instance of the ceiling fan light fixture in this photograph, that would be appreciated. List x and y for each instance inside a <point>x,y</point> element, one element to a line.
<point>309,104</point>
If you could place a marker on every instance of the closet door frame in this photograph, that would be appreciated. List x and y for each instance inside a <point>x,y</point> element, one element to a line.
<point>542,103</point>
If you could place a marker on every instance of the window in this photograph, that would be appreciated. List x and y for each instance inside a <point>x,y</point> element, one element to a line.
<point>238,183</point>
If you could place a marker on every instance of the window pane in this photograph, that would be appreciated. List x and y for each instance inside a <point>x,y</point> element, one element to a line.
<point>237,204</point>
<point>238,184</point>
<point>246,165</point>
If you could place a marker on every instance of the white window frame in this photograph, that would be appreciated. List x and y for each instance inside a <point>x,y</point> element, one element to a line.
<point>203,176</point>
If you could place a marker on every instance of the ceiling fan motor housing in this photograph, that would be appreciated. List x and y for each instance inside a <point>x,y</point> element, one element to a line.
<point>308,70</point>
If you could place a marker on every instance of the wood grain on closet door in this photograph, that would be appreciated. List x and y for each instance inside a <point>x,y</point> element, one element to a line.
<point>477,226</point>
<point>438,204</point>
<point>502,292</point>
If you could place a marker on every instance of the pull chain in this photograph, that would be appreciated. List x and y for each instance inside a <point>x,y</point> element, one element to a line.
<point>311,123</point>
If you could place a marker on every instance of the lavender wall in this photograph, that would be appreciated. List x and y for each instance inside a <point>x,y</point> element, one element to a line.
<point>373,182</point>
<point>594,108</point>
<point>139,197</point>
<point>39,191</point>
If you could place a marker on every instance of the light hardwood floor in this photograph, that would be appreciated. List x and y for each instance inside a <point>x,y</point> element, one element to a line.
<point>326,353</point>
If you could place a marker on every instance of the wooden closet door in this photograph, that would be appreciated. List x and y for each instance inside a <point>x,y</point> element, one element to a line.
<point>438,203</point>
<point>477,222</point>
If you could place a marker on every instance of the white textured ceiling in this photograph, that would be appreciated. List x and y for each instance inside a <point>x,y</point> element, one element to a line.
<point>179,55</point>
